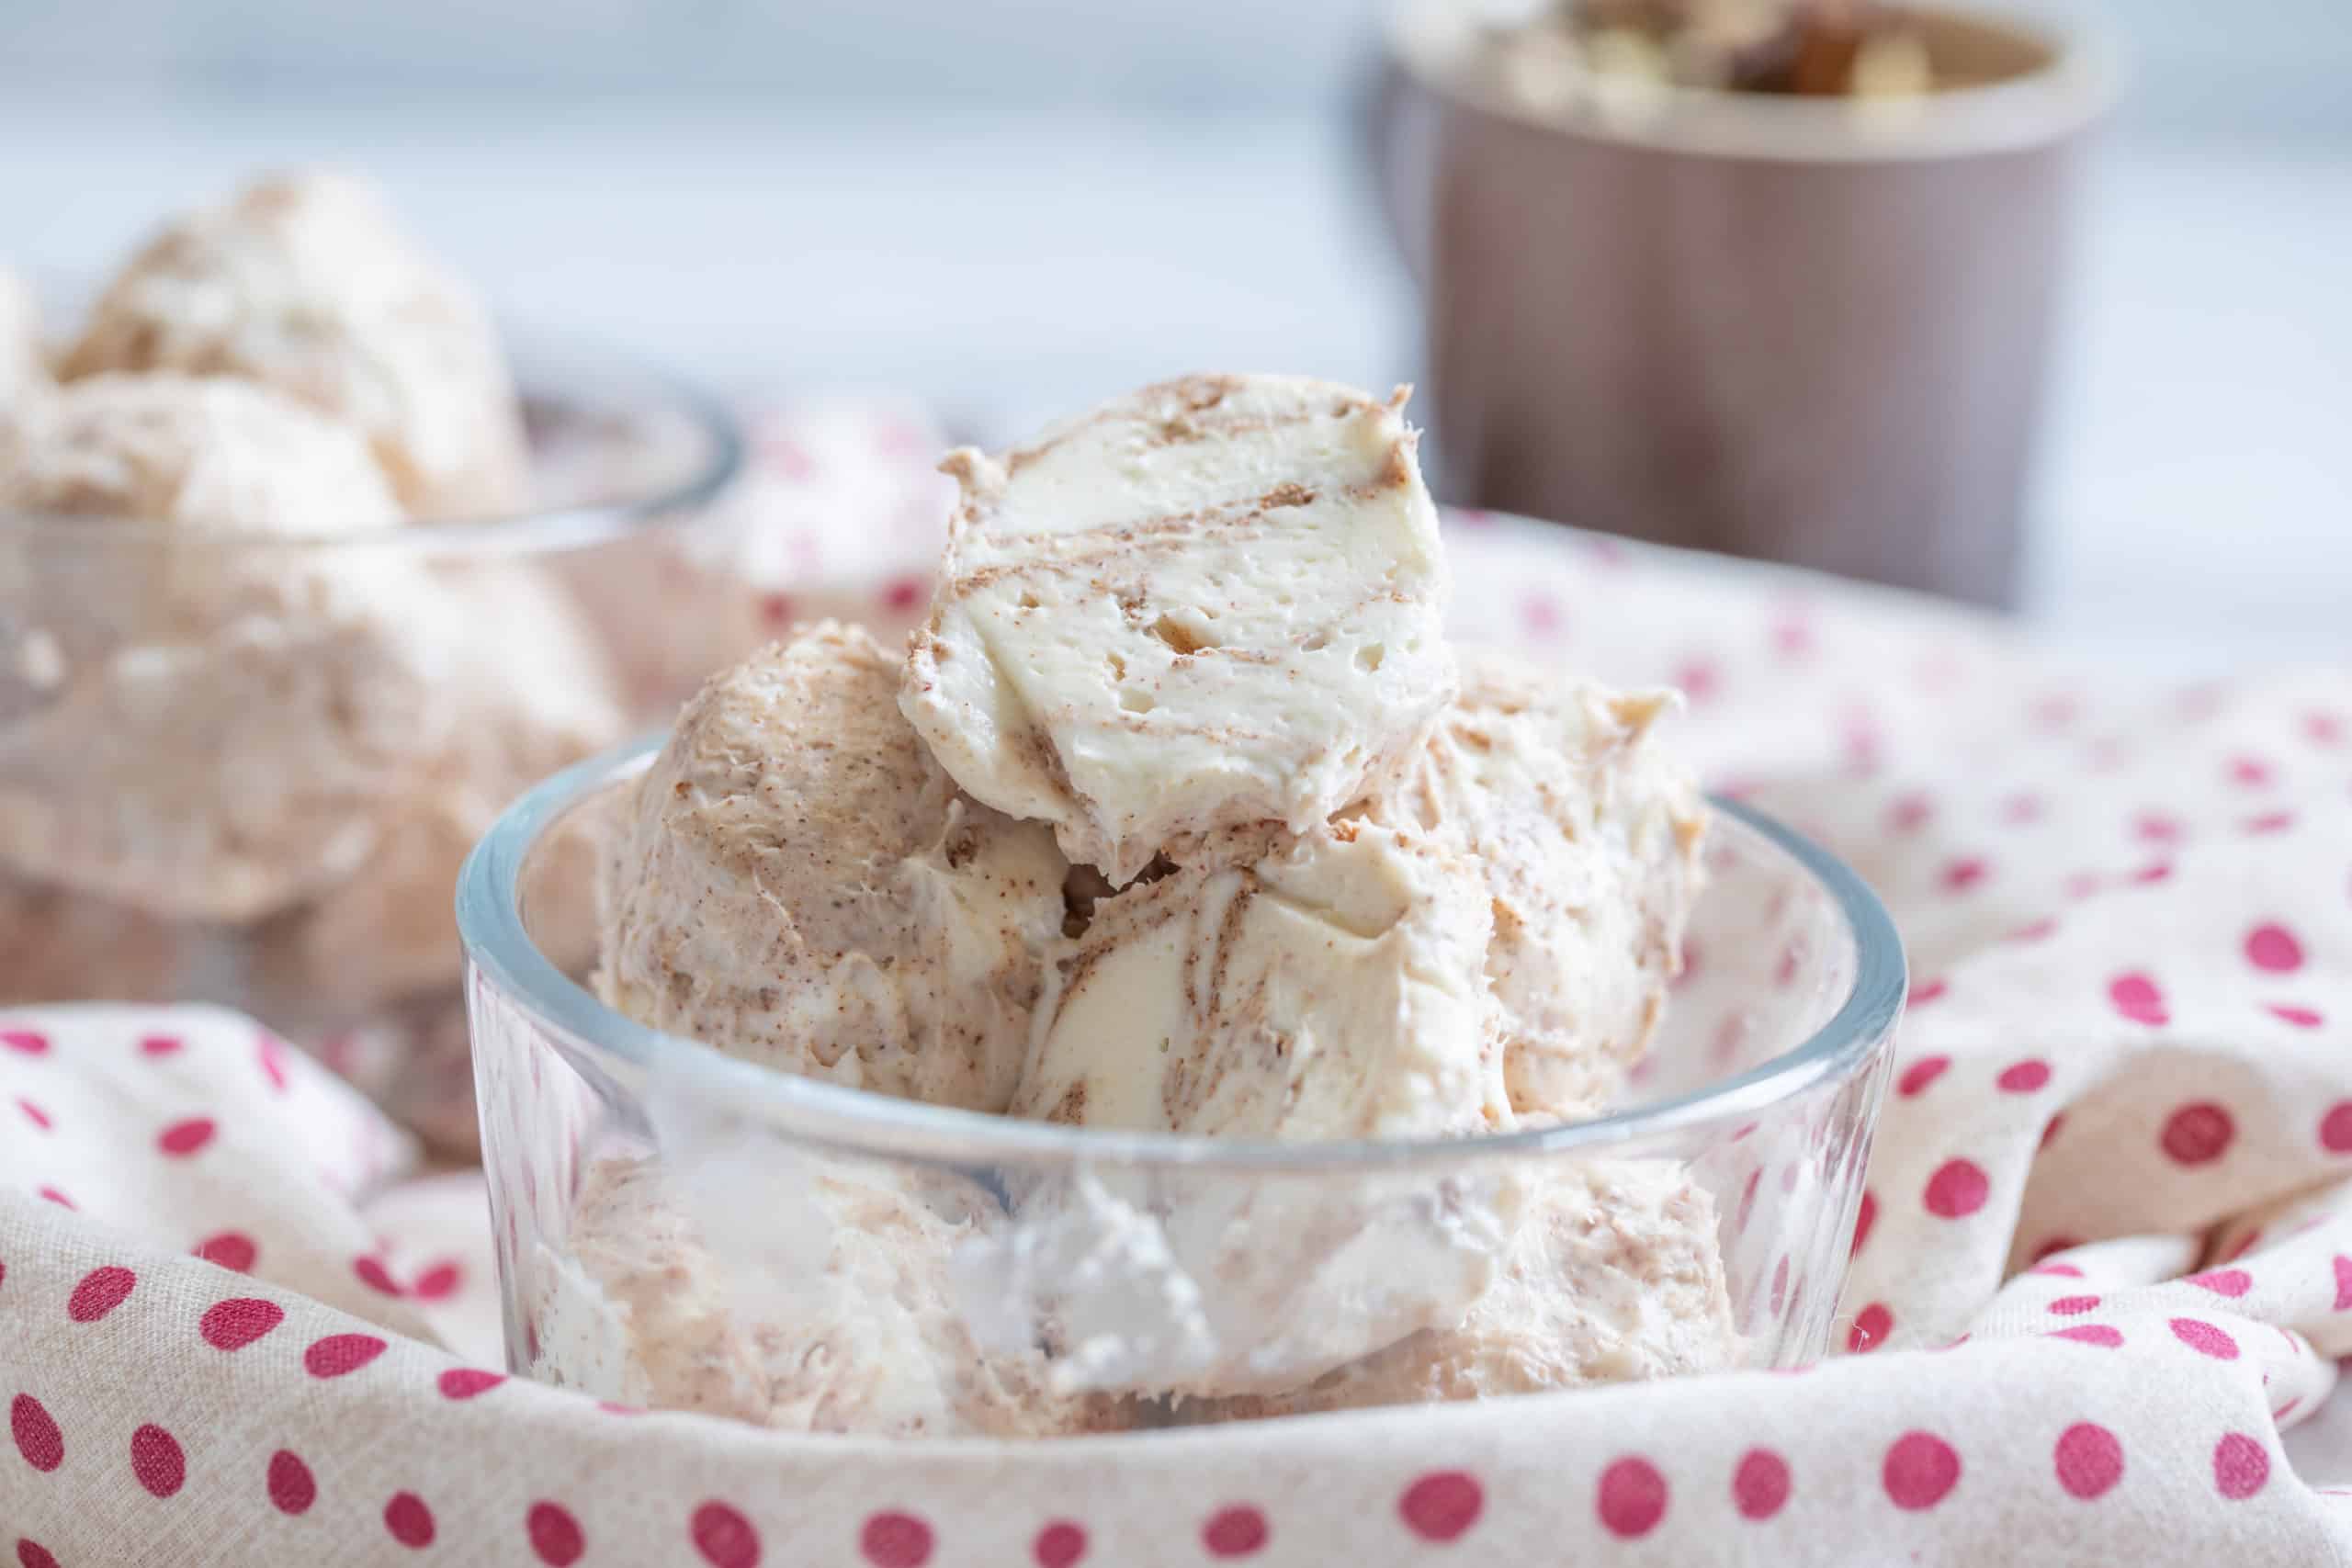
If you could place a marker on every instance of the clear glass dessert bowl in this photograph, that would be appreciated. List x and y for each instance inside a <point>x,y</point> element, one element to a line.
<point>681,1229</point>
<point>245,767</point>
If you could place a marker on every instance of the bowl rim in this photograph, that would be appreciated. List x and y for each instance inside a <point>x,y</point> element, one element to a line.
<point>2078,84</point>
<point>857,1122</point>
<point>725,449</point>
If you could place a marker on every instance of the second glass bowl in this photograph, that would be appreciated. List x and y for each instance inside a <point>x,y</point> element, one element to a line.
<point>679,1229</point>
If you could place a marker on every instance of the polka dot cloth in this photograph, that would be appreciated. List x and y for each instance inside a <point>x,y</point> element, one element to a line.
<point>2100,1284</point>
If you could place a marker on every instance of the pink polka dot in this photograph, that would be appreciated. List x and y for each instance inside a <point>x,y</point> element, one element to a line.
<point>1235,1532</point>
<point>52,1195</point>
<point>2268,822</point>
<point>2274,948</point>
<point>271,1052</point>
<point>182,1139</point>
<point>340,1353</point>
<point>2343,1283</point>
<point>1760,1487</point>
<point>2204,1338</point>
<point>437,1282</point>
<point>2020,809</point>
<point>1960,875</point>
<point>1920,1471</point>
<point>2058,1270</point>
<point>2072,1306</point>
<point>25,1042</point>
<point>35,1115</point>
<point>1779,1285</point>
<point>2055,710</point>
<point>100,1291</point>
<point>723,1537</point>
<point>409,1521</point>
<point>1632,1498</point>
<point>464,1382</point>
<point>1442,1504</point>
<point>1909,813</point>
<point>775,610</point>
<point>895,1541</point>
<point>2136,997</point>
<point>2153,873</point>
<point>1791,635</point>
<point>230,1249</point>
<point>2230,1283</point>
<point>1699,679</point>
<point>2156,827</point>
<point>1872,1326</point>
<point>2301,1018</point>
<point>154,1045</point>
<point>2250,773</point>
<point>33,1554</point>
<point>2050,1133</point>
<point>2323,728</point>
<point>156,1460</point>
<point>236,1323</point>
<point>36,1432</point>
<point>1920,1074</point>
<point>2036,931</point>
<point>375,1276</point>
<point>904,594</point>
<point>2198,1134</point>
<point>2241,1466</point>
<point>2089,1459</point>
<point>2090,1334</point>
<point>2023,1077</point>
<point>1062,1544</point>
<point>1863,1222</point>
<point>1748,1198</point>
<point>554,1535</point>
<point>291,1488</point>
<point>1957,1189</point>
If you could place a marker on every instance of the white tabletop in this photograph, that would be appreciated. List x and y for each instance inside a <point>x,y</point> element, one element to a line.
<point>2196,500</point>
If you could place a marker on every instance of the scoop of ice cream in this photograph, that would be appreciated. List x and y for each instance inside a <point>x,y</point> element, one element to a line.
<point>1330,986</point>
<point>839,1317</point>
<point>1587,832</point>
<point>1320,987</point>
<point>1615,1276</point>
<point>1210,604</point>
<point>535,698</point>
<point>800,885</point>
<point>226,705</point>
<point>305,283</point>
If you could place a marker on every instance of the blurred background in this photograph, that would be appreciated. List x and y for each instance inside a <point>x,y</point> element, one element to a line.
<point>1014,208</point>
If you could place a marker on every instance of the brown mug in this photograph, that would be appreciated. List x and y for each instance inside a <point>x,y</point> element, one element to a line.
<point>1804,330</point>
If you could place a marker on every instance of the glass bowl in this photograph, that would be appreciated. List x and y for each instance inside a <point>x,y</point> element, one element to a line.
<point>247,772</point>
<point>680,1229</point>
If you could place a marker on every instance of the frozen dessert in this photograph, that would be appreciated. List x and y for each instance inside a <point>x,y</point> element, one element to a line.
<point>304,283</point>
<point>1588,833</point>
<point>1329,986</point>
<point>1182,822</point>
<point>799,879</point>
<point>862,1333</point>
<point>1614,1276</point>
<point>237,711</point>
<point>1213,604</point>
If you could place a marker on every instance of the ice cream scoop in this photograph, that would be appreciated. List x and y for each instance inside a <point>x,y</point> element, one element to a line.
<point>799,884</point>
<point>1587,831</point>
<point>839,1317</point>
<point>1615,1276</point>
<point>223,710</point>
<point>304,283</point>
<point>1210,604</point>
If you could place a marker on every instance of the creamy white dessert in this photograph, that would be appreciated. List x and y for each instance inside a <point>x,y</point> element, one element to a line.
<point>800,882</point>
<point>838,1314</point>
<point>1587,833</point>
<point>305,283</point>
<point>223,715</point>
<point>1213,604</point>
<point>1615,1276</point>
